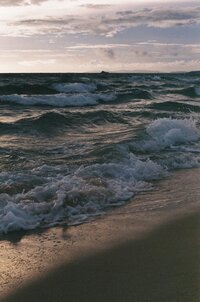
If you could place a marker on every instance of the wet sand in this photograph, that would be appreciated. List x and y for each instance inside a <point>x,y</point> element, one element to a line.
<point>163,266</point>
<point>146,251</point>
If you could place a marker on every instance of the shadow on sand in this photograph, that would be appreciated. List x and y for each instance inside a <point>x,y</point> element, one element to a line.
<point>163,266</point>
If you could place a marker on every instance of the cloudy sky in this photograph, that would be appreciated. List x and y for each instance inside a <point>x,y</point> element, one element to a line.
<point>95,35</point>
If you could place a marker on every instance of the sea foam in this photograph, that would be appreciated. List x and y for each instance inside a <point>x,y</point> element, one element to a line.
<point>77,196</point>
<point>167,132</point>
<point>59,100</point>
<point>75,87</point>
<point>197,90</point>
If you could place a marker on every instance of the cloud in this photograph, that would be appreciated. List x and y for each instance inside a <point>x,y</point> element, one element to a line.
<point>138,52</point>
<point>157,17</point>
<point>20,2</point>
<point>109,53</point>
<point>30,63</point>
<point>98,46</point>
<point>149,55</point>
<point>95,6</point>
<point>107,24</point>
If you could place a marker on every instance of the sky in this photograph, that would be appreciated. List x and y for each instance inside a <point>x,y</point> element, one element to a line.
<point>96,35</point>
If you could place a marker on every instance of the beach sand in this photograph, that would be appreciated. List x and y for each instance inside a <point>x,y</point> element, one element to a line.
<point>128,255</point>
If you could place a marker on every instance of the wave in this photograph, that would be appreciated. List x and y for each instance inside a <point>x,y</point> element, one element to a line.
<point>142,94</point>
<point>75,197</point>
<point>133,94</point>
<point>168,132</point>
<point>28,89</point>
<point>51,121</point>
<point>75,99</point>
<point>174,106</point>
<point>197,91</point>
<point>192,92</point>
<point>54,195</point>
<point>48,122</point>
<point>75,87</point>
<point>59,100</point>
<point>70,118</point>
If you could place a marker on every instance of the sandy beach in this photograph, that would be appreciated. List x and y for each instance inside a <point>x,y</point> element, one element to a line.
<point>128,255</point>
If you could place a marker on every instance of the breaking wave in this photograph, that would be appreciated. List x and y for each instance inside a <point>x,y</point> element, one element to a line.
<point>52,195</point>
<point>75,87</point>
<point>167,132</point>
<point>75,197</point>
<point>59,100</point>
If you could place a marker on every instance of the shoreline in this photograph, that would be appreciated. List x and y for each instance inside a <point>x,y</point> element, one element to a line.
<point>43,254</point>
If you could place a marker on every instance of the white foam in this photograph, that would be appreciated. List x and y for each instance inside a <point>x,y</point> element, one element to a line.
<point>59,100</point>
<point>156,78</point>
<point>75,87</point>
<point>197,91</point>
<point>14,218</point>
<point>181,161</point>
<point>78,195</point>
<point>168,132</point>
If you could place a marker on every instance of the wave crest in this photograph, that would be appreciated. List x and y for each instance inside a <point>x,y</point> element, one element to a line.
<point>59,100</point>
<point>75,87</point>
<point>75,197</point>
<point>167,132</point>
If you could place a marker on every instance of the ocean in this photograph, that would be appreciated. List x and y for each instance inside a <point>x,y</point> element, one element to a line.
<point>76,145</point>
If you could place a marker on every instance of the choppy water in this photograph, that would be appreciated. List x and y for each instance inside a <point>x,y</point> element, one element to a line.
<point>73,145</point>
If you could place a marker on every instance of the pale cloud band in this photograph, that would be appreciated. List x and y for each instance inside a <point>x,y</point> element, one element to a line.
<point>21,2</point>
<point>106,24</point>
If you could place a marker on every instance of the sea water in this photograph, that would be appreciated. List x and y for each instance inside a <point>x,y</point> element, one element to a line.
<point>74,145</point>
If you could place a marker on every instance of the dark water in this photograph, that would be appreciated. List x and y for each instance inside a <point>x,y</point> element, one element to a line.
<point>73,145</point>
